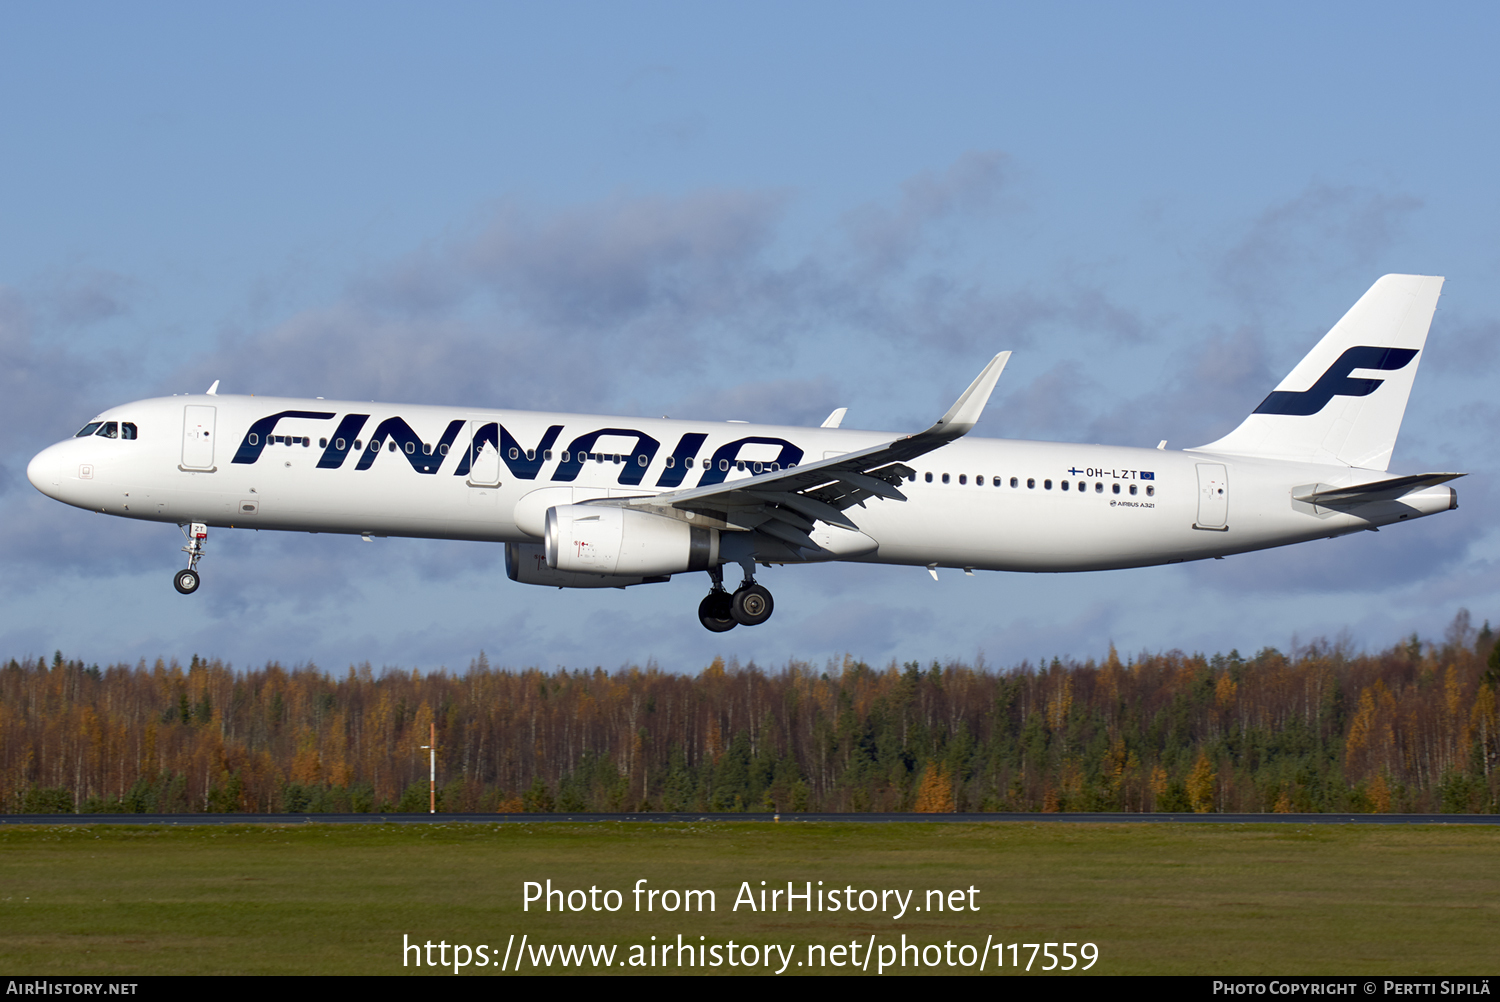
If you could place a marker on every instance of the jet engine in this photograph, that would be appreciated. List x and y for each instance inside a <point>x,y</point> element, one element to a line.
<point>526,563</point>
<point>606,539</point>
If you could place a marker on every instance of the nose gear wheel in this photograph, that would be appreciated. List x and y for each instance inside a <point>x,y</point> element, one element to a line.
<point>186,581</point>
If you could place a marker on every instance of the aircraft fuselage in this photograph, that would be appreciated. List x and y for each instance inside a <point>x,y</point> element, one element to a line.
<point>490,475</point>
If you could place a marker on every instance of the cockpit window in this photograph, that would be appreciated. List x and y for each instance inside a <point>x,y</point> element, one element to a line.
<point>111,429</point>
<point>89,429</point>
<point>127,430</point>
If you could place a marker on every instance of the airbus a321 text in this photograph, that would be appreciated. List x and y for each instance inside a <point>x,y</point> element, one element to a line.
<point>590,502</point>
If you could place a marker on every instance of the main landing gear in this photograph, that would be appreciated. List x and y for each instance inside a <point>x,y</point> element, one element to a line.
<point>750,605</point>
<point>186,581</point>
<point>716,611</point>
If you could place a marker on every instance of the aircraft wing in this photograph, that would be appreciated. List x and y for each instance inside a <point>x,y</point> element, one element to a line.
<point>786,503</point>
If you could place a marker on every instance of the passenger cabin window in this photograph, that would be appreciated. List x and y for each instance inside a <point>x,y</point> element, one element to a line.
<point>1150,491</point>
<point>979,480</point>
<point>1098,488</point>
<point>963,478</point>
<point>1132,488</point>
<point>88,429</point>
<point>1115,488</point>
<point>1047,484</point>
<point>1014,482</point>
<point>945,478</point>
<point>1030,483</point>
<point>1064,485</point>
<point>929,478</point>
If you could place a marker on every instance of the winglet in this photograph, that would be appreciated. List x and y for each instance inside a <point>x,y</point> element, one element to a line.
<point>213,390</point>
<point>836,418</point>
<point>964,413</point>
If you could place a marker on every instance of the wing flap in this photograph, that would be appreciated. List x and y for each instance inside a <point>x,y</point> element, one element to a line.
<point>786,533</point>
<point>812,507</point>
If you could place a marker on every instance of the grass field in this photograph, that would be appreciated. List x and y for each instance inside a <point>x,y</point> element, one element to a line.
<point>1154,899</point>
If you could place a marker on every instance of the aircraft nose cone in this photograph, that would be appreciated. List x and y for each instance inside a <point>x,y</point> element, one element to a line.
<point>45,471</point>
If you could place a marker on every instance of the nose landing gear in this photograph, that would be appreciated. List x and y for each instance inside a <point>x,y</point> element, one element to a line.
<point>186,581</point>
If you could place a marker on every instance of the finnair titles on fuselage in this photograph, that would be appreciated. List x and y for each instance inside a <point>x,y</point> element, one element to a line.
<point>586,502</point>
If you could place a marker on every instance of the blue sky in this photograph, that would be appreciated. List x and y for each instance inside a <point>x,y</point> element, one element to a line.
<point>758,212</point>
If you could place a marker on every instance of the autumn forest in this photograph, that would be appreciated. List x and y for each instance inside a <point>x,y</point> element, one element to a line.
<point>1316,729</point>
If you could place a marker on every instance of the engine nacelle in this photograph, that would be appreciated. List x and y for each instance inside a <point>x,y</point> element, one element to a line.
<point>526,563</point>
<point>606,539</point>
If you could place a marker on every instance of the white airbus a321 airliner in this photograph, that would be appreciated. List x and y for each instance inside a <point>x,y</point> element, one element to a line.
<point>589,502</point>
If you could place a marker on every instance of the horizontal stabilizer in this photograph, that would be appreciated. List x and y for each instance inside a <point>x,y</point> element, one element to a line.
<point>1380,490</point>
